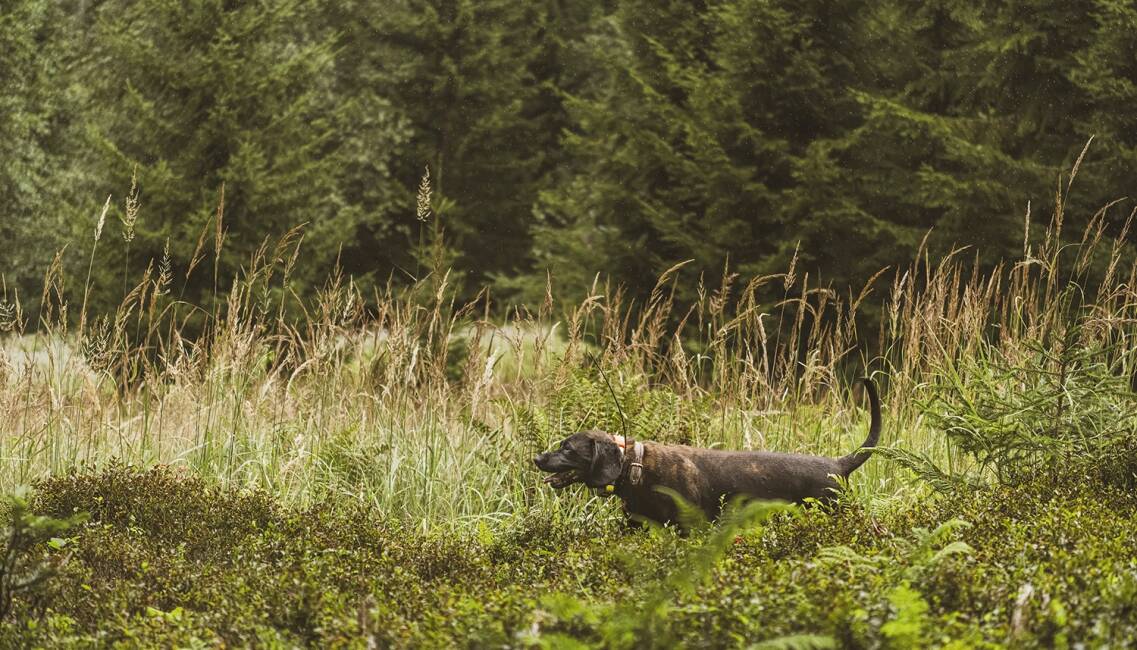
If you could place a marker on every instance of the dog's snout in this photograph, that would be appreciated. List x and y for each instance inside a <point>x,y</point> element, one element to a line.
<point>538,459</point>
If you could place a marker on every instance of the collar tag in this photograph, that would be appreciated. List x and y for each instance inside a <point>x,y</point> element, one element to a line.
<point>606,491</point>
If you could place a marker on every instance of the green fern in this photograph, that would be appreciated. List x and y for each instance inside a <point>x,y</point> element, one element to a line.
<point>797,642</point>
<point>907,629</point>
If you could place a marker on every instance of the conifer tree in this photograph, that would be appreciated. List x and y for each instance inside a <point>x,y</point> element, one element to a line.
<point>202,94</point>
<point>694,138</point>
<point>463,76</point>
<point>33,143</point>
<point>1105,74</point>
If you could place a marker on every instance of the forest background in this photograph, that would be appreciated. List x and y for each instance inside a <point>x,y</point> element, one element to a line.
<point>570,140</point>
<point>292,292</point>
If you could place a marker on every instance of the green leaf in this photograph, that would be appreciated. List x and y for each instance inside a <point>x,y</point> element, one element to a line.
<point>797,642</point>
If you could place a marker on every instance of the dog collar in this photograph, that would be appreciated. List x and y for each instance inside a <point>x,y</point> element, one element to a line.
<point>635,471</point>
<point>636,468</point>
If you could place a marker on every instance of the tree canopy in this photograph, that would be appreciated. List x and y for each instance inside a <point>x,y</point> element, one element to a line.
<point>610,137</point>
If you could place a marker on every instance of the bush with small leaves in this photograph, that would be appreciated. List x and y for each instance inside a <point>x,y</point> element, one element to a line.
<point>32,549</point>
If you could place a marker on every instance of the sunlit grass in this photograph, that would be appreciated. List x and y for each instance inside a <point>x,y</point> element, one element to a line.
<point>430,410</point>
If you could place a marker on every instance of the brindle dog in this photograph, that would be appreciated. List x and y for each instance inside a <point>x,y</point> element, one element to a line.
<point>703,477</point>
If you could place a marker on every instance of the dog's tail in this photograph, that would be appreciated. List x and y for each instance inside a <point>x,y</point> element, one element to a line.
<point>858,457</point>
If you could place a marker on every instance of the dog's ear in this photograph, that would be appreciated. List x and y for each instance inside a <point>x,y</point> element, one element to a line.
<point>606,464</point>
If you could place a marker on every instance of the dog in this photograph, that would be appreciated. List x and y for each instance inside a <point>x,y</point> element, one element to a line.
<point>705,478</point>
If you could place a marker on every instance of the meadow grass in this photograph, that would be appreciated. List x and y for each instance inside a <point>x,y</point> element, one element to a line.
<point>355,470</point>
<point>430,410</point>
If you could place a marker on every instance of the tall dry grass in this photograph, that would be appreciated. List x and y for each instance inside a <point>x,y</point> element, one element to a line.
<point>430,409</point>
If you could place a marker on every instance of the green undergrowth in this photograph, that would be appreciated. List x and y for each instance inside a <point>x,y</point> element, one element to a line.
<point>166,560</point>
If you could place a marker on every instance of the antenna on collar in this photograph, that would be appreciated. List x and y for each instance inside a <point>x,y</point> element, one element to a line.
<point>612,392</point>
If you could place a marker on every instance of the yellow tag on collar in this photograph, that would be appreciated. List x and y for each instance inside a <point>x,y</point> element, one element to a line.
<point>610,488</point>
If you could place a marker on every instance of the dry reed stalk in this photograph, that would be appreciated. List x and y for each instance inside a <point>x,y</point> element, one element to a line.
<point>262,398</point>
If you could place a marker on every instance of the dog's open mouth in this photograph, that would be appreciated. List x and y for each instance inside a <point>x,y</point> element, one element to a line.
<point>562,479</point>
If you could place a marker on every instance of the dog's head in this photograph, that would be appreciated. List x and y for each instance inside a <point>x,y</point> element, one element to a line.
<point>589,457</point>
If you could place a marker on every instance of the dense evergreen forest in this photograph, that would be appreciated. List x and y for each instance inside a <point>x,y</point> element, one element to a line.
<point>611,137</point>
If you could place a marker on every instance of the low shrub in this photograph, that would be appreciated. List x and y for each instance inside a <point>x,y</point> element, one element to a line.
<point>165,560</point>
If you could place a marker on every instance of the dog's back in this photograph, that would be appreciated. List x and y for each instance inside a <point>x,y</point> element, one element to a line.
<point>707,477</point>
<point>756,474</point>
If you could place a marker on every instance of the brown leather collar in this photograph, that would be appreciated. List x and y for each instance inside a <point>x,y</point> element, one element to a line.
<point>633,465</point>
<point>636,466</point>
